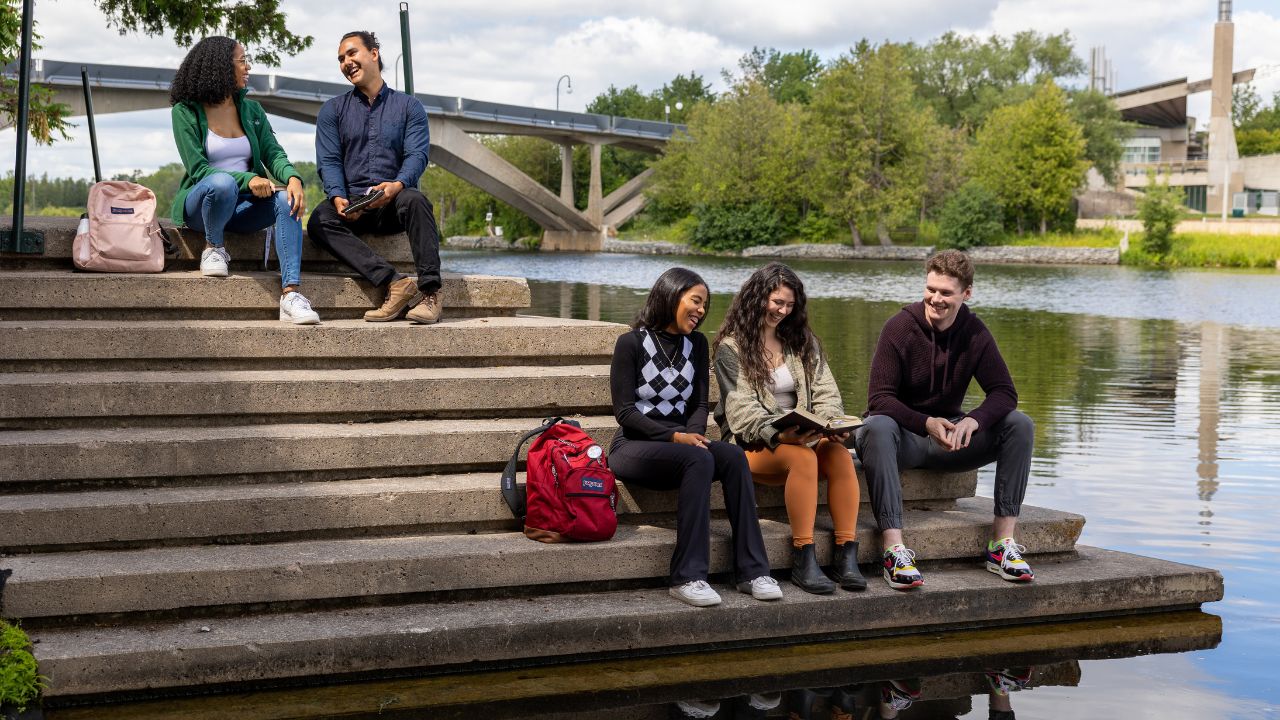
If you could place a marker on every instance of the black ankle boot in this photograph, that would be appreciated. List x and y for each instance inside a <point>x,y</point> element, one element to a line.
<point>846,569</point>
<point>806,574</point>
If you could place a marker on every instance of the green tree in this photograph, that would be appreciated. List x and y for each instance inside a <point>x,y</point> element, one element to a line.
<point>1105,131</point>
<point>1032,156</point>
<point>870,135</point>
<point>1159,209</point>
<point>259,25</point>
<point>789,76</point>
<point>972,217</point>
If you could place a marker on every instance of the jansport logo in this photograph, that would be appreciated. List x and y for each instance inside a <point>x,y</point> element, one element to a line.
<point>121,211</point>
<point>593,483</point>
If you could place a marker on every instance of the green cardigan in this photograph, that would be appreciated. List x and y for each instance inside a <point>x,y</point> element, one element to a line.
<point>190,127</point>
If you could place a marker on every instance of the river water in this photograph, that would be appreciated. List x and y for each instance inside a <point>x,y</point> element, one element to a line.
<point>1157,401</point>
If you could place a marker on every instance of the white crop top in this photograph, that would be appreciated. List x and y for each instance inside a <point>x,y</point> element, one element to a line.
<point>231,154</point>
<point>783,386</point>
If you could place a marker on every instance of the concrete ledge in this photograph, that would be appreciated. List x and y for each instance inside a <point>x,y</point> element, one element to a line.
<point>160,579</point>
<point>546,629</point>
<point>457,504</point>
<point>840,252</point>
<point>49,345</point>
<point>114,399</point>
<point>461,242</point>
<point>1029,255</point>
<point>55,294</point>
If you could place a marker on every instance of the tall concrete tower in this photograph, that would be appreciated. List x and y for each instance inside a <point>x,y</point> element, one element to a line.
<point>1224,175</point>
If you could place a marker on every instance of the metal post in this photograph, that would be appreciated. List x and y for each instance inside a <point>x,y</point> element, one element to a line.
<point>24,93</point>
<point>407,48</point>
<point>93,130</point>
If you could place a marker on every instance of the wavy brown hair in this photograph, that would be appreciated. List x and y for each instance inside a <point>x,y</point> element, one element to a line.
<point>744,322</point>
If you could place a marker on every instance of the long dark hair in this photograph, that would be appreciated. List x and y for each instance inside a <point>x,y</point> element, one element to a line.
<point>664,298</point>
<point>744,322</point>
<point>207,74</point>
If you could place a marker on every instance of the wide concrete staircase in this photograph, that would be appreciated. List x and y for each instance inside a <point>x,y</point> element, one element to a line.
<point>195,495</point>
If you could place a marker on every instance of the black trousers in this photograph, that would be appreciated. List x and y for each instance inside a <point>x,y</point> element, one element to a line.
<point>410,212</point>
<point>886,447</point>
<point>690,471</point>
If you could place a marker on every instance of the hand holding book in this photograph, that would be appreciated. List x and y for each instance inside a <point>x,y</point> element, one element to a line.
<point>807,422</point>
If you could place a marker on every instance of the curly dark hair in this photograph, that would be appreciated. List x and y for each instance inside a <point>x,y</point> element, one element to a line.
<point>207,74</point>
<point>660,307</point>
<point>744,322</point>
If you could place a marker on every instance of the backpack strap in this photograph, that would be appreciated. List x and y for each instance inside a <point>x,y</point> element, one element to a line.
<point>511,492</point>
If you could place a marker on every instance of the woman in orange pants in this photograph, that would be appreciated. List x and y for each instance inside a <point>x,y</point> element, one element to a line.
<point>768,363</point>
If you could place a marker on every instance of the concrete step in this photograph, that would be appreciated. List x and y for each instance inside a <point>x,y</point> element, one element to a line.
<point>246,249</point>
<point>174,579</point>
<point>71,345</point>
<point>265,647</point>
<point>62,294</point>
<point>122,398</point>
<point>457,504</point>
<point>295,451</point>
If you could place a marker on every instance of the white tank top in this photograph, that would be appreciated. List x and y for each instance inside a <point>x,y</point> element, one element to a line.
<point>231,154</point>
<point>783,386</point>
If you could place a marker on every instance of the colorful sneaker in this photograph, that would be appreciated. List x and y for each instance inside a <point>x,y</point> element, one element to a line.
<point>1003,682</point>
<point>214,261</point>
<point>899,694</point>
<point>762,588</point>
<point>1004,558</point>
<point>296,309</point>
<point>697,593</point>
<point>900,568</point>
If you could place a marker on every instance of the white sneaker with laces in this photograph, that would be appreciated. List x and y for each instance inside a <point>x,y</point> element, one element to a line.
<point>699,708</point>
<point>697,593</point>
<point>762,588</point>
<point>214,261</point>
<point>296,309</point>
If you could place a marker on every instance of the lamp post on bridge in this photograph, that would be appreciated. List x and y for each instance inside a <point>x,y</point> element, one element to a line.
<point>568,89</point>
<point>666,114</point>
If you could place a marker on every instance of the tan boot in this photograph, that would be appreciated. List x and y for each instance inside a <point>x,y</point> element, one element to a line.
<point>428,311</point>
<point>401,295</point>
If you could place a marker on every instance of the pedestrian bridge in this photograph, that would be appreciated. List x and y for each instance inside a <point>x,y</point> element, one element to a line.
<point>453,121</point>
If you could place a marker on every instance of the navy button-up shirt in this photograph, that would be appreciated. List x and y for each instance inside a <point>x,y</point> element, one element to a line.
<point>360,143</point>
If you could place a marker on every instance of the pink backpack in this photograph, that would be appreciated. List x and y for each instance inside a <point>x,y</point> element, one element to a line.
<point>120,232</point>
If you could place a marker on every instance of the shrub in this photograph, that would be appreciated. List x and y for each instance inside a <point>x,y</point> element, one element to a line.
<point>1159,209</point>
<point>19,683</point>
<point>732,228</point>
<point>971,217</point>
<point>817,228</point>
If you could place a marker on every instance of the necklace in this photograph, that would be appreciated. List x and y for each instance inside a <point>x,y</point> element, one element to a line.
<point>669,372</point>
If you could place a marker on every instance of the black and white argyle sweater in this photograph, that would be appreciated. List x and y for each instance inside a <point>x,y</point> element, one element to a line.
<point>666,379</point>
<point>659,384</point>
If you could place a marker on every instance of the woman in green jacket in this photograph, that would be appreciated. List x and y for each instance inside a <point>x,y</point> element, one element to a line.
<point>230,154</point>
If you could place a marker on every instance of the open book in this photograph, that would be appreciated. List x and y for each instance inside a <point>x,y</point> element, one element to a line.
<point>809,422</point>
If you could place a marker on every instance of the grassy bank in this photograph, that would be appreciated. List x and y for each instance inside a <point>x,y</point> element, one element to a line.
<point>19,683</point>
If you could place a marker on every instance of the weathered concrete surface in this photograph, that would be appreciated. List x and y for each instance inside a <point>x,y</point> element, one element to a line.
<point>572,241</point>
<point>253,648</point>
<point>462,242</point>
<point>95,582</point>
<point>45,345</point>
<point>1030,255</point>
<point>648,247</point>
<point>561,691</point>
<point>111,398</point>
<point>458,503</point>
<point>372,448</point>
<point>55,294</point>
<point>840,252</point>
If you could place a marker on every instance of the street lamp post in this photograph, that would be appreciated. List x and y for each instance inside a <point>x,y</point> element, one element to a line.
<point>666,114</point>
<point>568,88</point>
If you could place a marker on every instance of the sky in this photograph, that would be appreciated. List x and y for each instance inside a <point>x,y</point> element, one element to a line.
<point>514,51</point>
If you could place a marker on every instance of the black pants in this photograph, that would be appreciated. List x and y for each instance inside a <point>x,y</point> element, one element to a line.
<point>690,471</point>
<point>885,448</point>
<point>410,212</point>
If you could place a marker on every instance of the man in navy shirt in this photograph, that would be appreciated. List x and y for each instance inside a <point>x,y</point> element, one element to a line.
<point>374,138</point>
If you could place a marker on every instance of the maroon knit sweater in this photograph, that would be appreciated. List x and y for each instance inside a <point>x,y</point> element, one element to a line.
<point>918,373</point>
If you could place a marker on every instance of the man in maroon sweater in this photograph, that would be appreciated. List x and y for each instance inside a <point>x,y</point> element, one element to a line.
<point>924,360</point>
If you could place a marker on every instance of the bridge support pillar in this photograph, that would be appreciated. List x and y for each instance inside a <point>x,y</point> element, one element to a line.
<point>572,241</point>
<point>566,174</point>
<point>595,194</point>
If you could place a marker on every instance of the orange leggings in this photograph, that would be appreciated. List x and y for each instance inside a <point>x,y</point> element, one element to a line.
<point>797,468</point>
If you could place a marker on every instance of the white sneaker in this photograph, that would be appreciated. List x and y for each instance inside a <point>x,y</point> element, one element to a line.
<point>296,309</point>
<point>699,708</point>
<point>213,262</point>
<point>762,588</point>
<point>764,701</point>
<point>697,593</point>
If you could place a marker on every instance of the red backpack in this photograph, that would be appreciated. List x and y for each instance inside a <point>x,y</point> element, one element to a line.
<point>570,493</point>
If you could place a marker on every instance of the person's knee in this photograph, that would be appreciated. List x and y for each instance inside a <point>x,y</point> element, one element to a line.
<point>222,186</point>
<point>412,198</point>
<point>879,431</point>
<point>281,200</point>
<point>1020,426</point>
<point>322,214</point>
<point>802,464</point>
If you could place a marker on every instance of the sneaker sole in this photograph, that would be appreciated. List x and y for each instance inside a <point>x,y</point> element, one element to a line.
<point>902,586</point>
<point>314,320</point>
<point>696,602</point>
<point>214,273</point>
<point>745,588</point>
<point>994,568</point>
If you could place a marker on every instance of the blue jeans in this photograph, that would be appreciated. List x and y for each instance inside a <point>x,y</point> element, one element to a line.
<point>216,205</point>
